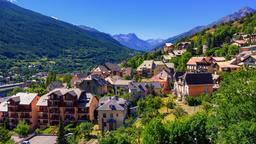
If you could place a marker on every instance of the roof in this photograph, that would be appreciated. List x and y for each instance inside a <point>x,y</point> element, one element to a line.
<point>170,65</point>
<point>53,85</point>
<point>98,80</point>
<point>24,98</point>
<point>198,78</point>
<point>59,91</point>
<point>194,60</point>
<point>226,64</point>
<point>112,67</point>
<point>159,62</point>
<point>43,101</point>
<point>100,68</point>
<point>249,47</point>
<point>178,52</point>
<point>112,79</point>
<point>163,75</point>
<point>169,44</point>
<point>112,103</point>
<point>3,104</point>
<point>121,82</point>
<point>146,64</point>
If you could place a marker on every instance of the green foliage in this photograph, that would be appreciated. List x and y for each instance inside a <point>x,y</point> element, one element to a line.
<point>233,116</point>
<point>15,91</point>
<point>4,136</point>
<point>179,112</point>
<point>148,108</point>
<point>193,101</point>
<point>61,139</point>
<point>51,77</point>
<point>28,36</point>
<point>154,133</point>
<point>188,130</point>
<point>37,88</point>
<point>129,135</point>
<point>171,103</point>
<point>181,62</point>
<point>85,129</point>
<point>22,128</point>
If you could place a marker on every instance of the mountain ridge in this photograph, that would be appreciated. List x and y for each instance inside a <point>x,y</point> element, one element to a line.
<point>131,40</point>
<point>28,35</point>
<point>231,17</point>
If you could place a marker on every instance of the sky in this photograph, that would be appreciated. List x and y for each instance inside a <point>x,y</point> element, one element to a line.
<point>146,18</point>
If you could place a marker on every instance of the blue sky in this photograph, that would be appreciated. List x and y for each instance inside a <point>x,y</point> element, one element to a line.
<point>146,18</point>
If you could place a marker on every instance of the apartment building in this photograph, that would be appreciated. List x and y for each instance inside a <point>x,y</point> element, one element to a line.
<point>70,105</point>
<point>22,106</point>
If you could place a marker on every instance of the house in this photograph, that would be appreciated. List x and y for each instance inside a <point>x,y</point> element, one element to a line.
<point>22,106</point>
<point>239,43</point>
<point>146,69</point>
<point>112,112</point>
<point>178,53</point>
<point>113,79</point>
<point>246,58</point>
<point>94,84</point>
<point>76,77</point>
<point>226,66</point>
<point>159,66</point>
<point>168,47</point>
<point>150,67</point>
<point>114,69</point>
<point>4,109</point>
<point>248,48</point>
<point>193,84</point>
<point>164,78</point>
<point>203,64</point>
<point>137,90</point>
<point>101,71</point>
<point>183,45</point>
<point>70,105</point>
<point>53,85</point>
<point>126,72</point>
<point>121,86</point>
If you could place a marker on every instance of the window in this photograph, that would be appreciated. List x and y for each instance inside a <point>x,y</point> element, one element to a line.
<point>104,115</point>
<point>116,115</point>
<point>111,115</point>
<point>104,124</point>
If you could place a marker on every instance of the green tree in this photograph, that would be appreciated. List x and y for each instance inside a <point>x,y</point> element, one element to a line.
<point>154,133</point>
<point>50,78</point>
<point>61,139</point>
<point>4,136</point>
<point>22,128</point>
<point>85,129</point>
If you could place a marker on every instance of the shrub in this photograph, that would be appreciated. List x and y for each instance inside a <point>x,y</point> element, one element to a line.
<point>171,104</point>
<point>179,112</point>
<point>194,101</point>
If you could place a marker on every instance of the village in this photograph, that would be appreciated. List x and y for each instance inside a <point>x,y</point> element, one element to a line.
<point>108,94</point>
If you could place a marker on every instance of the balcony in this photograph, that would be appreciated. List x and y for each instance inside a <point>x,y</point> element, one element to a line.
<point>54,110</point>
<point>69,111</point>
<point>43,116</point>
<point>54,117</point>
<point>43,122</point>
<point>25,115</point>
<point>53,103</point>
<point>69,118</point>
<point>14,115</point>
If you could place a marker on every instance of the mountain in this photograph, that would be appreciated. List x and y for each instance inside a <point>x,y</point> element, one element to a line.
<point>88,28</point>
<point>232,17</point>
<point>132,41</point>
<point>29,36</point>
